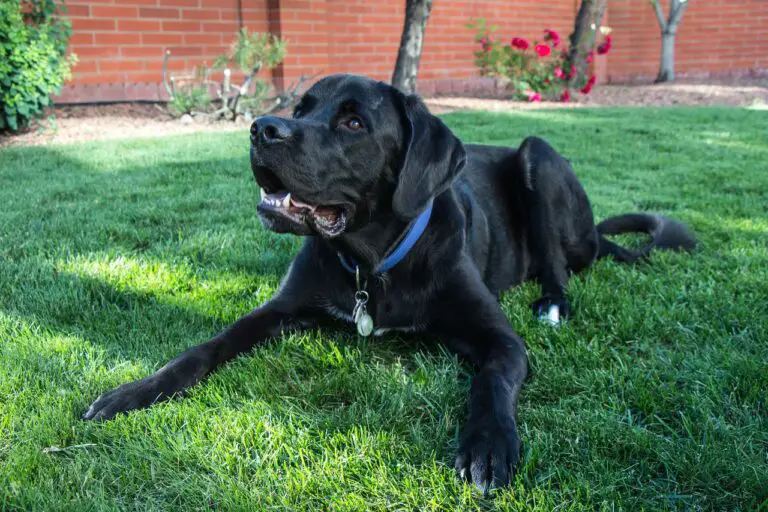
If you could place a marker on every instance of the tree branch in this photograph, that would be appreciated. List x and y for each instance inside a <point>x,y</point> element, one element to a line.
<point>168,87</point>
<point>243,90</point>
<point>679,7</point>
<point>659,14</point>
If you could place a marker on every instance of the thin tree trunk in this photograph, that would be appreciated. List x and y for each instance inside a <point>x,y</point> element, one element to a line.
<point>583,37</point>
<point>580,27</point>
<point>411,44</point>
<point>668,33</point>
<point>667,65</point>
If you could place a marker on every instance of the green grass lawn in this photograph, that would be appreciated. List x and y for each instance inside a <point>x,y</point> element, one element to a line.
<point>115,256</point>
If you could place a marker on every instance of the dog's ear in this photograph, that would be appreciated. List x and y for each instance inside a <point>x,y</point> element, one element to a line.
<point>432,158</point>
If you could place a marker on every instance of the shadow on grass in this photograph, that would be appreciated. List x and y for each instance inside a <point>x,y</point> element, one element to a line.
<point>144,263</point>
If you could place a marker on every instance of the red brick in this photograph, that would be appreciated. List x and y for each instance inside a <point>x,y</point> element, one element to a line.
<point>165,39</point>
<point>200,14</point>
<point>81,38</point>
<point>151,78</point>
<point>220,27</point>
<point>181,26</point>
<point>179,3</point>
<point>112,38</point>
<point>138,26</point>
<point>173,65</point>
<point>142,51</point>
<point>100,78</point>
<point>110,11</point>
<point>131,2</point>
<point>186,50</point>
<point>90,25</point>
<point>95,51</point>
<point>121,65</point>
<point>154,12</point>
<point>85,66</point>
<point>77,11</point>
<point>208,39</point>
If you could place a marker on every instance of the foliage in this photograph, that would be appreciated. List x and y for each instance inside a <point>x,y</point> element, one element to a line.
<point>533,70</point>
<point>252,51</point>
<point>189,99</point>
<point>33,61</point>
<point>248,54</point>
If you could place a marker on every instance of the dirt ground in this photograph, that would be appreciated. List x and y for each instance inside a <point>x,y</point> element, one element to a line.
<point>76,123</point>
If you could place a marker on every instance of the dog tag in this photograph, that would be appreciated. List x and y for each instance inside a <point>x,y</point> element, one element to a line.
<point>360,315</point>
<point>364,323</point>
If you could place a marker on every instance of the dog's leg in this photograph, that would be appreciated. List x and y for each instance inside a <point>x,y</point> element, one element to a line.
<point>286,310</point>
<point>471,322</point>
<point>559,224</point>
<point>547,254</point>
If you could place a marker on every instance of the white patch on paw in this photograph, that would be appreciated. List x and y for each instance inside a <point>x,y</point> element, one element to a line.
<point>552,316</point>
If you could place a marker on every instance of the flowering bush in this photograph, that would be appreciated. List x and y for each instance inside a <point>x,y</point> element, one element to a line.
<point>534,70</point>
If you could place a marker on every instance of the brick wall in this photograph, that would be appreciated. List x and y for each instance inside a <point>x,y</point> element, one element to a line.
<point>717,37</point>
<point>121,43</point>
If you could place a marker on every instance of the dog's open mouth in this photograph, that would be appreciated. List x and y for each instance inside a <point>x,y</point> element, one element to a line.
<point>329,220</point>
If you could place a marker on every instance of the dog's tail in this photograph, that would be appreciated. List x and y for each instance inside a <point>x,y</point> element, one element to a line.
<point>666,233</point>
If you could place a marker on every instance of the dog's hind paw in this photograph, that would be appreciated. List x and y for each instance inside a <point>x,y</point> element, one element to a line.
<point>551,310</point>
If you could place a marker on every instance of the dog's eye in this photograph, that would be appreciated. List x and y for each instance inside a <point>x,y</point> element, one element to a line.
<point>353,123</point>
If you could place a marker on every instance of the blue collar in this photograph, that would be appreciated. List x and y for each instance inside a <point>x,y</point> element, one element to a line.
<point>417,229</point>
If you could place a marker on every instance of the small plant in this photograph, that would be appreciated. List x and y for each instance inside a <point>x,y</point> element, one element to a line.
<point>201,96</point>
<point>533,70</point>
<point>33,61</point>
<point>188,100</point>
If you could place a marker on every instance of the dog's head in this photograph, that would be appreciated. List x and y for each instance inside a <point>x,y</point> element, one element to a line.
<point>355,149</point>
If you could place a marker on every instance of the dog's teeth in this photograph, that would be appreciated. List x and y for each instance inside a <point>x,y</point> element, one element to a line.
<point>287,200</point>
<point>263,194</point>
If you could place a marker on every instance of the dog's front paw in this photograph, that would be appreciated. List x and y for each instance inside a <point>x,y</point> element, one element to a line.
<point>552,310</point>
<point>489,450</point>
<point>134,395</point>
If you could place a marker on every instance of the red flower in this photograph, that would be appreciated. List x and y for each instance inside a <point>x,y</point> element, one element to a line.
<point>486,45</point>
<point>590,57</point>
<point>551,35</point>
<point>566,96</point>
<point>572,72</point>
<point>520,43</point>
<point>543,50</point>
<point>605,46</point>
<point>587,88</point>
<point>534,97</point>
<point>559,73</point>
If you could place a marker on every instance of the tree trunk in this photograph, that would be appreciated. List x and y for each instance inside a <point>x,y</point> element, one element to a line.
<point>580,27</point>
<point>667,67</point>
<point>583,37</point>
<point>411,44</point>
<point>668,33</point>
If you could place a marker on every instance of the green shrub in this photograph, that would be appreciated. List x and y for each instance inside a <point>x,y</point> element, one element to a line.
<point>248,54</point>
<point>33,60</point>
<point>189,99</point>
<point>533,70</point>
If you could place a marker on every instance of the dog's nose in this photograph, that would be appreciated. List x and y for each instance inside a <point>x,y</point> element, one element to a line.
<point>270,130</point>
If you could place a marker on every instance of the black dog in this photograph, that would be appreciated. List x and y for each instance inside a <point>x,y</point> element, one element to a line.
<point>408,229</point>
